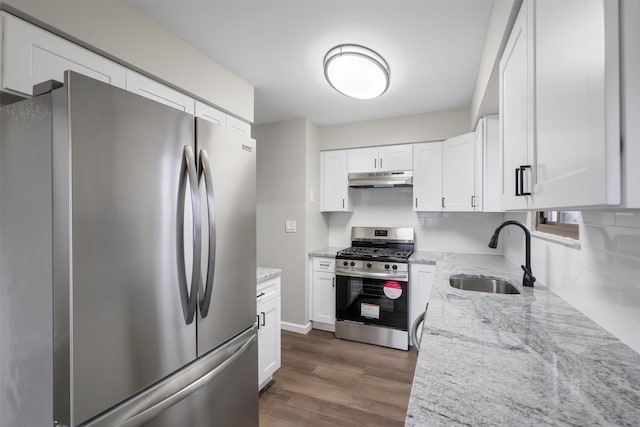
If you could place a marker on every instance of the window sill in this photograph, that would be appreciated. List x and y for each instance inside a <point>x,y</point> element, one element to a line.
<point>565,241</point>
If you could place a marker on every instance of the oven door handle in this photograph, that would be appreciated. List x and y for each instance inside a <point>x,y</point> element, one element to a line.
<point>370,275</point>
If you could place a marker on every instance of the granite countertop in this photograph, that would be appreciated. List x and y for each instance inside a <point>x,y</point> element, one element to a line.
<point>264,273</point>
<point>328,251</point>
<point>528,359</point>
<point>425,257</point>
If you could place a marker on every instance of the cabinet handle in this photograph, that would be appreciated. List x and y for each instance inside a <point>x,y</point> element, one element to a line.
<point>473,201</point>
<point>380,162</point>
<point>342,203</point>
<point>258,320</point>
<point>264,318</point>
<point>261,294</point>
<point>443,202</point>
<point>517,186</point>
<point>416,202</point>
<point>375,163</point>
<point>522,169</point>
<point>333,282</point>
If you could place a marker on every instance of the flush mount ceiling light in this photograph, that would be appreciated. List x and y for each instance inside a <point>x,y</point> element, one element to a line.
<point>356,71</point>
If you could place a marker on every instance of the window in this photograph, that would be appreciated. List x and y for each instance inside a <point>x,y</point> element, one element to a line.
<point>560,223</point>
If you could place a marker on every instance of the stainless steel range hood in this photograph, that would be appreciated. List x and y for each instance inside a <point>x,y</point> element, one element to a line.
<point>381,179</point>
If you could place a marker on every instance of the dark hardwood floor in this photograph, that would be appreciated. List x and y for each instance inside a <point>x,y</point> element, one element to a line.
<point>324,381</point>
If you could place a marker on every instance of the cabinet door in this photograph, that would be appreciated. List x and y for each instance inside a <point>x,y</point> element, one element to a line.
<point>395,158</point>
<point>324,298</point>
<point>363,160</point>
<point>334,181</point>
<point>149,88</point>
<point>458,173</point>
<point>427,176</point>
<point>269,351</point>
<point>32,55</point>
<point>516,133</point>
<point>420,282</point>
<point>210,114</point>
<point>238,126</point>
<point>491,184</point>
<point>577,103</point>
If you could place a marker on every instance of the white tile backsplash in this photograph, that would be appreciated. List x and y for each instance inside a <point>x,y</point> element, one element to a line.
<point>391,207</point>
<point>602,278</point>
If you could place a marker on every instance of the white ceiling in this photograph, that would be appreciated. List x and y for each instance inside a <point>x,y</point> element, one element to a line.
<point>433,48</point>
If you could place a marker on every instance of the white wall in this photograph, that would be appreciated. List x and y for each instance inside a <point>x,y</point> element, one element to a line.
<point>397,130</point>
<point>117,30</point>
<point>391,207</point>
<point>601,279</point>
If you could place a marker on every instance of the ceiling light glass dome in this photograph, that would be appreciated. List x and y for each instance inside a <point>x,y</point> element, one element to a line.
<point>356,71</point>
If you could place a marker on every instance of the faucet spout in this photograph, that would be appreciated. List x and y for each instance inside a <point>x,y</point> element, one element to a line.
<point>527,279</point>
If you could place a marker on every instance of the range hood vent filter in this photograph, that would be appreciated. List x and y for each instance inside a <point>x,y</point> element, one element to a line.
<point>381,179</point>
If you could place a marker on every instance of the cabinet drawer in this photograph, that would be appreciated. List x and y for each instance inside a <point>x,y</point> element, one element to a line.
<point>324,264</point>
<point>268,290</point>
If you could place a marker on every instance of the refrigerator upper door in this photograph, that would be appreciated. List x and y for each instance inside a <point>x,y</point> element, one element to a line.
<point>125,285</point>
<point>228,295</point>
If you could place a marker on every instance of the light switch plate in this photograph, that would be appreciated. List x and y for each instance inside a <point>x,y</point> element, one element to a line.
<point>290,226</point>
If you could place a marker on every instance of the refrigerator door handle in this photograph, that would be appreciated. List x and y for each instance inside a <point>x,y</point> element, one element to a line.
<point>205,294</point>
<point>189,296</point>
<point>155,408</point>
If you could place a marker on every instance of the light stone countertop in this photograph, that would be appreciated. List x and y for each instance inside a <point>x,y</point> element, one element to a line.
<point>264,274</point>
<point>327,252</point>
<point>425,257</point>
<point>528,359</point>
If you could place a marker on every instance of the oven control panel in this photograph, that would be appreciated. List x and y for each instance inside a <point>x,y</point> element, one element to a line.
<point>384,267</point>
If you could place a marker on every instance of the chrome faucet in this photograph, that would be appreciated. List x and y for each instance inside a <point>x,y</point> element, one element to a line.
<point>527,278</point>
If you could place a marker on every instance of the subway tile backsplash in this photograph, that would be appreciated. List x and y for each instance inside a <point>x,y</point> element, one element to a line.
<point>602,278</point>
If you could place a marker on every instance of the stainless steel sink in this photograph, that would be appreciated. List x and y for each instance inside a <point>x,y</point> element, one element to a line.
<point>482,284</point>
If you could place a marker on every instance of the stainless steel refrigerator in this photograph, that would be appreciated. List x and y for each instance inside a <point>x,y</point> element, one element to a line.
<point>127,264</point>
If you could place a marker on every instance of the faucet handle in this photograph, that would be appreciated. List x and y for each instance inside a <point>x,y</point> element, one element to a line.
<point>528,279</point>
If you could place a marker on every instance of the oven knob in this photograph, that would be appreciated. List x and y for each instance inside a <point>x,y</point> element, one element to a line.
<point>352,264</point>
<point>386,266</point>
<point>369,265</point>
<point>395,267</point>
<point>345,263</point>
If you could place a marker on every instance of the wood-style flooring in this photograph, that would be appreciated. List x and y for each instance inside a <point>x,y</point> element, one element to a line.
<point>325,381</point>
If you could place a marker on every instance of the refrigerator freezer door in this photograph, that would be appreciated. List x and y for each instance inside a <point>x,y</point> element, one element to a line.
<point>219,389</point>
<point>228,300</point>
<point>116,216</point>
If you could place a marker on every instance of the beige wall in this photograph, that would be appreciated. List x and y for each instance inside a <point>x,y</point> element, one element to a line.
<point>485,95</point>
<point>117,30</point>
<point>281,163</point>
<point>396,130</point>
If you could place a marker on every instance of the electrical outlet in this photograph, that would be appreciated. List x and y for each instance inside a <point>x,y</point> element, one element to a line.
<point>290,226</point>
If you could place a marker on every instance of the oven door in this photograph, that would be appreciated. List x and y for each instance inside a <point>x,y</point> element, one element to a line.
<point>372,301</point>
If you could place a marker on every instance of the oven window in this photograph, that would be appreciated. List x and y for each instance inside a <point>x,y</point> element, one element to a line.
<point>372,301</point>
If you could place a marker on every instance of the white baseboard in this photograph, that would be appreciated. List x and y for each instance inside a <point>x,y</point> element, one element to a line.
<point>324,326</point>
<point>294,327</point>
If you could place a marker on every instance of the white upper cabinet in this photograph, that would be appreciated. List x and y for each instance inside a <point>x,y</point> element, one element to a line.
<point>381,159</point>
<point>427,176</point>
<point>210,114</point>
<point>577,103</point>
<point>488,170</point>
<point>559,106</point>
<point>458,174</point>
<point>334,181</point>
<point>238,126</point>
<point>149,88</point>
<point>516,114</point>
<point>31,55</point>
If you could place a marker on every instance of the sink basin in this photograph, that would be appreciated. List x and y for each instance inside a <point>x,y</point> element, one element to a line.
<point>491,285</point>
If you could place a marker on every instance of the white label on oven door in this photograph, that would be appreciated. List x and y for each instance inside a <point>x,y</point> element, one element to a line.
<point>371,311</point>
<point>392,289</point>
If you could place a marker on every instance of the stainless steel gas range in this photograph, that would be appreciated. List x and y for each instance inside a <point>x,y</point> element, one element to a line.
<point>372,292</point>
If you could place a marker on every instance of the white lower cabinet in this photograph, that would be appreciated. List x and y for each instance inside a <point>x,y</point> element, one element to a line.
<point>420,282</point>
<point>269,339</point>
<point>323,303</point>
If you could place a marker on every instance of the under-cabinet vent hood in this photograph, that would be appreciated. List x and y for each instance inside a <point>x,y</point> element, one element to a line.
<point>381,179</point>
